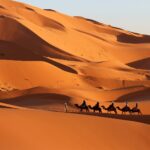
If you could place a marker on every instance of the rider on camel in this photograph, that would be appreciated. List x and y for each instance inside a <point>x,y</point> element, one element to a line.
<point>111,105</point>
<point>83,104</point>
<point>96,105</point>
<point>136,107</point>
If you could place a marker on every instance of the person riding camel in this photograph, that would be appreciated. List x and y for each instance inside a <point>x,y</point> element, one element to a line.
<point>126,107</point>
<point>136,106</point>
<point>111,105</point>
<point>83,104</point>
<point>126,103</point>
<point>96,105</point>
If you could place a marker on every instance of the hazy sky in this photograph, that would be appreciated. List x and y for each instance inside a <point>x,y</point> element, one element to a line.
<point>133,15</point>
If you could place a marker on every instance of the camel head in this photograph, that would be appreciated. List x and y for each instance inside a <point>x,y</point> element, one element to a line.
<point>118,108</point>
<point>104,107</point>
<point>90,106</point>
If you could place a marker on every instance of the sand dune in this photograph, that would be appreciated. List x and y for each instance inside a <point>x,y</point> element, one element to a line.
<point>48,58</point>
<point>27,129</point>
<point>87,56</point>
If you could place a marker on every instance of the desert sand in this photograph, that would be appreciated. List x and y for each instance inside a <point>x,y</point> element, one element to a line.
<point>48,58</point>
<point>36,130</point>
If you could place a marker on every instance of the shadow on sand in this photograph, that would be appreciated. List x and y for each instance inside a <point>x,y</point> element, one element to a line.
<point>137,118</point>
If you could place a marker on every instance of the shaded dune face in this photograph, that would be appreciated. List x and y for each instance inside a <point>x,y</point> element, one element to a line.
<point>139,94</point>
<point>24,37</point>
<point>133,39</point>
<point>141,64</point>
<point>81,57</point>
<point>2,7</point>
<point>39,100</point>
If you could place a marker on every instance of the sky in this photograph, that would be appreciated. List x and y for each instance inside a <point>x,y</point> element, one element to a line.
<point>132,15</point>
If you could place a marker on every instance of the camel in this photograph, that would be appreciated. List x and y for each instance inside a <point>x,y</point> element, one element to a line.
<point>136,110</point>
<point>124,109</point>
<point>95,109</point>
<point>110,109</point>
<point>82,108</point>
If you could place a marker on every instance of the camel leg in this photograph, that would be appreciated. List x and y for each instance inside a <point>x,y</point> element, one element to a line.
<point>87,110</point>
<point>139,112</point>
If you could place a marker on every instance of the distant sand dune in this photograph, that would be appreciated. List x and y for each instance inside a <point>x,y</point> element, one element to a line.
<point>74,54</point>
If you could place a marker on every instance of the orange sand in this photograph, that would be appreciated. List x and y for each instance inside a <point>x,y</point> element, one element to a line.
<point>36,130</point>
<point>48,58</point>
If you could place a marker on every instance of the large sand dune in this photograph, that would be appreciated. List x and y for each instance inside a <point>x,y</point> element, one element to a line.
<point>48,58</point>
<point>36,130</point>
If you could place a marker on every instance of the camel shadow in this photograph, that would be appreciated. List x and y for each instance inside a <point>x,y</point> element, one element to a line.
<point>137,118</point>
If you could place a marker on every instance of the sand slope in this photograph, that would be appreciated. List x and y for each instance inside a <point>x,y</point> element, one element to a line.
<point>36,130</point>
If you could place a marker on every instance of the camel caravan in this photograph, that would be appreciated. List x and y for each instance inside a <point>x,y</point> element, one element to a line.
<point>109,109</point>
